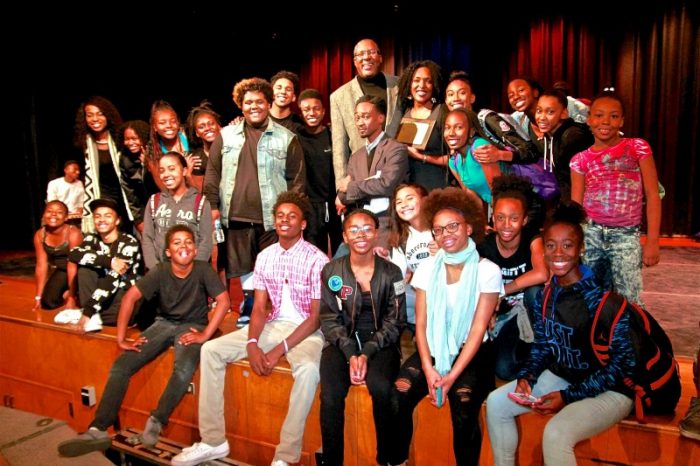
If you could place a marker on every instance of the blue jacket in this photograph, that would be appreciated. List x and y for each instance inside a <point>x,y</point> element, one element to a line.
<point>562,342</point>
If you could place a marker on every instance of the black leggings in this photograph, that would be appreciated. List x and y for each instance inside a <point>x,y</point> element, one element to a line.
<point>465,396</point>
<point>55,286</point>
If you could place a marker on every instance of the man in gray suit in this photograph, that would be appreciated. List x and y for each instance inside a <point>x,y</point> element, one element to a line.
<point>369,81</point>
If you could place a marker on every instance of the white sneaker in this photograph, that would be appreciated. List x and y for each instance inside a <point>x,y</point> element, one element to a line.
<point>68,316</point>
<point>94,324</point>
<point>199,453</point>
<point>279,463</point>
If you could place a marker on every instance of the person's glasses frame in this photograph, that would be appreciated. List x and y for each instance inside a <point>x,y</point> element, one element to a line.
<point>355,231</point>
<point>371,53</point>
<point>451,227</point>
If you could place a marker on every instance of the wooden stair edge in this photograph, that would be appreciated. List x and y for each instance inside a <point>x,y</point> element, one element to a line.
<point>164,450</point>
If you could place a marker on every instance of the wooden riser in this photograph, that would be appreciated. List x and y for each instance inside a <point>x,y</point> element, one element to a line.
<point>43,366</point>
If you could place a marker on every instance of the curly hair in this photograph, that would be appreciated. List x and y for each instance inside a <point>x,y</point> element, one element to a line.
<point>512,187</point>
<point>459,201</point>
<point>300,200</point>
<point>252,84</point>
<point>81,129</point>
<point>407,78</point>
<point>398,233</point>
<point>159,106</point>
<point>204,108</point>
<point>284,74</point>
<point>572,214</point>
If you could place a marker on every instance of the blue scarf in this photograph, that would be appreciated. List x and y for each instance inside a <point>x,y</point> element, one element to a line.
<point>448,328</point>
<point>183,141</point>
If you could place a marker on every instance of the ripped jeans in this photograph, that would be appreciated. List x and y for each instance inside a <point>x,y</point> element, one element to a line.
<point>466,396</point>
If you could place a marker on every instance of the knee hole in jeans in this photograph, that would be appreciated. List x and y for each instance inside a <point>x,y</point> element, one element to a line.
<point>402,384</point>
<point>464,394</point>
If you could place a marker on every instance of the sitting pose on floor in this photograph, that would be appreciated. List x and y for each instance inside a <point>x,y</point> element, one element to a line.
<point>108,263</point>
<point>562,372</point>
<point>54,274</point>
<point>456,295</point>
<point>182,288</point>
<point>363,313</point>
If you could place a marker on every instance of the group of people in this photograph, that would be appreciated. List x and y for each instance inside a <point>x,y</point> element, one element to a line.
<point>415,254</point>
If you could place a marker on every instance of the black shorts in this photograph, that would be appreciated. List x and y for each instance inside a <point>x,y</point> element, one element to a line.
<point>244,241</point>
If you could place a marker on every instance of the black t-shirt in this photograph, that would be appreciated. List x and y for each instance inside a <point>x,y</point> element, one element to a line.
<point>318,155</point>
<point>511,267</point>
<point>292,122</point>
<point>182,299</point>
<point>365,320</point>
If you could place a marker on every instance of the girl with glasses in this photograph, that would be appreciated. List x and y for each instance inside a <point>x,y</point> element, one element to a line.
<point>456,294</point>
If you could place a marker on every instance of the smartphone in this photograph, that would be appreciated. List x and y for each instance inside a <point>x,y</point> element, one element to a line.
<point>438,397</point>
<point>523,399</point>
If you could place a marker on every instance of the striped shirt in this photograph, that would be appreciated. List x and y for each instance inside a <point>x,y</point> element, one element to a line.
<point>613,182</point>
<point>299,267</point>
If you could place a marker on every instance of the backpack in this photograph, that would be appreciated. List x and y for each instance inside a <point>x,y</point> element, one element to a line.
<point>502,131</point>
<point>656,381</point>
<point>198,205</point>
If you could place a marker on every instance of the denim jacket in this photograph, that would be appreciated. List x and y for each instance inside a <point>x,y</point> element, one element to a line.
<point>272,163</point>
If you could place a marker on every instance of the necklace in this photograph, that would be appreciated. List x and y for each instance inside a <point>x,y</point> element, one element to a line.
<point>104,141</point>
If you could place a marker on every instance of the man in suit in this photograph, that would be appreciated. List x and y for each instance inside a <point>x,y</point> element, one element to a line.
<point>375,169</point>
<point>369,81</point>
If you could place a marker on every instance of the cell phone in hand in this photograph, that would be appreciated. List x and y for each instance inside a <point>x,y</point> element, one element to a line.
<point>438,397</point>
<point>523,399</point>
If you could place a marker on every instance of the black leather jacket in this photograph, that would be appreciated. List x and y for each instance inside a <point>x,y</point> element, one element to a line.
<point>340,306</point>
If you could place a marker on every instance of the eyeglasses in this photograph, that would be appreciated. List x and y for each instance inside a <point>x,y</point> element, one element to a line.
<point>359,56</point>
<point>367,230</point>
<point>450,227</point>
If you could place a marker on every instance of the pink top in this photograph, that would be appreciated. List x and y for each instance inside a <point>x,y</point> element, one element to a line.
<point>299,266</point>
<point>613,182</point>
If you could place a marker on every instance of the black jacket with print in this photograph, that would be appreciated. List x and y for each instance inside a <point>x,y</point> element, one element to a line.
<point>340,306</point>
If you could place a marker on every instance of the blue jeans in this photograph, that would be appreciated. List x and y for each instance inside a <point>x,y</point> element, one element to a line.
<point>575,422</point>
<point>615,256</point>
<point>160,336</point>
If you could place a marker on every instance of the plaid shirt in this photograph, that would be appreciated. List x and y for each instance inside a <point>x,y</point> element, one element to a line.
<point>299,266</point>
<point>613,182</point>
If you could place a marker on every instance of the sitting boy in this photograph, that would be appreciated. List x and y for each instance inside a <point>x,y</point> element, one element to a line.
<point>108,264</point>
<point>182,287</point>
<point>69,190</point>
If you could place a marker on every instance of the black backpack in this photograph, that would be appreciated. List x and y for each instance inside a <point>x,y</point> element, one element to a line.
<point>656,381</point>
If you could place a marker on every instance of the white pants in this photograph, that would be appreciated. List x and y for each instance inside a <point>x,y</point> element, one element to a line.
<point>575,422</point>
<point>304,360</point>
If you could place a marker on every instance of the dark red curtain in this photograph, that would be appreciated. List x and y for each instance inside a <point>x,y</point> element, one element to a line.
<point>652,58</point>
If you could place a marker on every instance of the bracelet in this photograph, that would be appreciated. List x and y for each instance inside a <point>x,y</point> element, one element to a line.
<point>252,340</point>
<point>424,157</point>
<point>286,347</point>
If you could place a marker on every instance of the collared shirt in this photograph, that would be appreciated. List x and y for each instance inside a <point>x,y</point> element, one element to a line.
<point>375,143</point>
<point>299,267</point>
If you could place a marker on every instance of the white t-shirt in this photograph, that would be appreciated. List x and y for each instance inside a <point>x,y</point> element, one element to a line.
<point>489,280</point>
<point>71,194</point>
<point>416,250</point>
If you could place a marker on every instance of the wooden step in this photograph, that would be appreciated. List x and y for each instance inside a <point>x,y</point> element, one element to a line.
<point>128,441</point>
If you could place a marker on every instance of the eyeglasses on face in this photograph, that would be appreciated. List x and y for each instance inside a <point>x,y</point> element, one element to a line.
<point>366,54</point>
<point>367,230</point>
<point>450,227</point>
